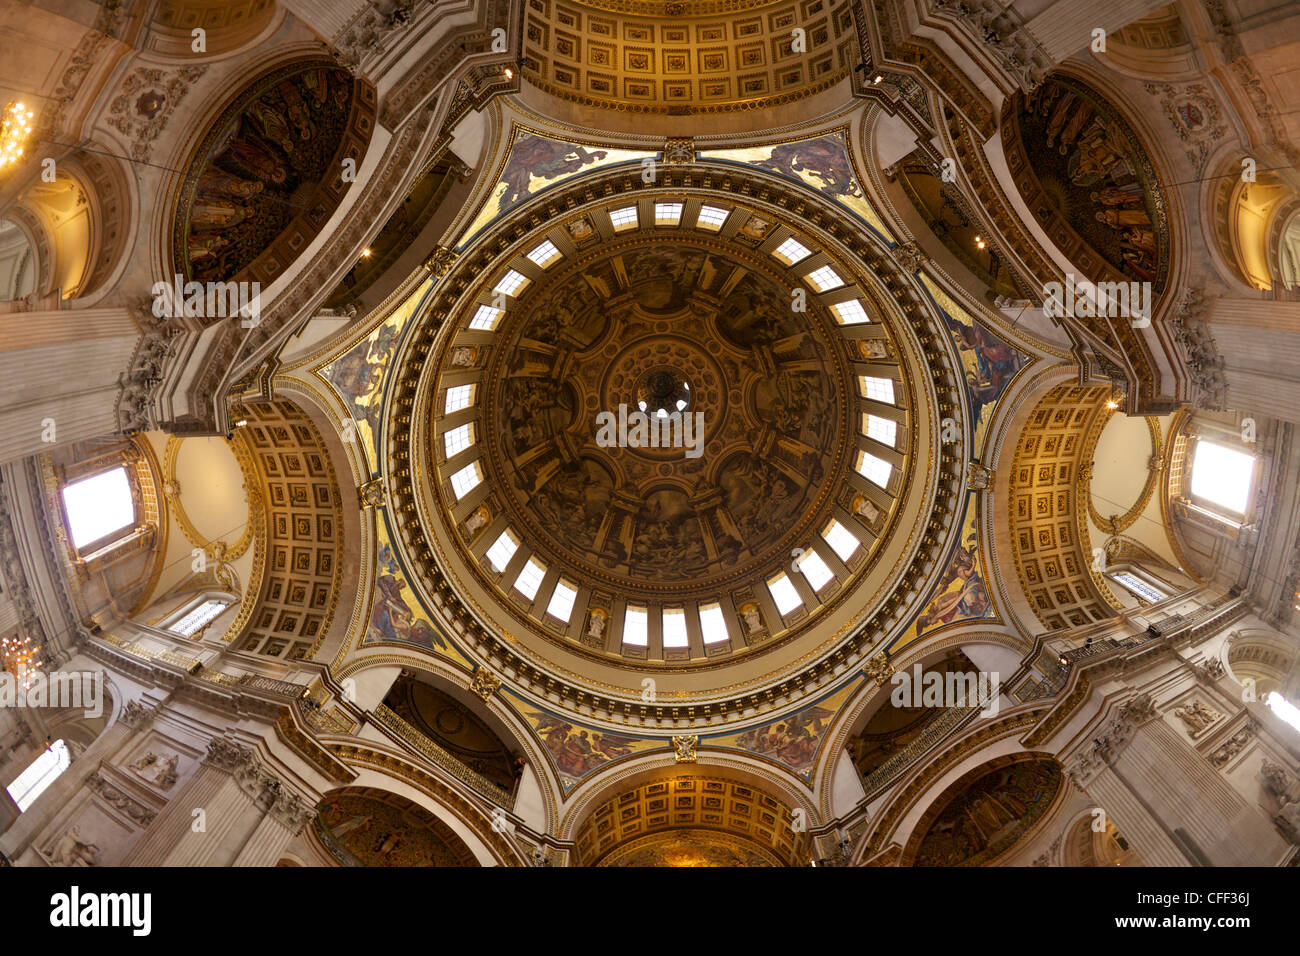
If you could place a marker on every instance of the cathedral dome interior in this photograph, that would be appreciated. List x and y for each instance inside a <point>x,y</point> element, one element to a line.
<point>627,433</point>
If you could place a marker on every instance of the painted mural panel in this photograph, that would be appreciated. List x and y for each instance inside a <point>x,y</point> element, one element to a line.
<point>988,816</point>
<point>575,750</point>
<point>537,162</point>
<point>358,374</point>
<point>962,593</point>
<point>793,739</point>
<point>396,616</point>
<point>1095,175</point>
<point>361,830</point>
<point>822,163</point>
<point>690,848</point>
<point>989,360</point>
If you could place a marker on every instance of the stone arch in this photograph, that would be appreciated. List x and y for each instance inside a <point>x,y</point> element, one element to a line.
<point>730,798</point>
<point>230,27</point>
<point>1083,845</point>
<point>987,812</point>
<point>1265,657</point>
<point>361,825</point>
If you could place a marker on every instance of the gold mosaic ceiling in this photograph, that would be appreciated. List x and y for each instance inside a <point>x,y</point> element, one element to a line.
<point>687,57</point>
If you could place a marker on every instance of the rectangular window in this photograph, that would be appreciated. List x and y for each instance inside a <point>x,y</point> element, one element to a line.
<point>545,254</point>
<point>99,505</point>
<point>842,541</point>
<point>791,251</point>
<point>675,627</point>
<point>624,218</point>
<point>485,318</point>
<point>502,550</point>
<point>511,282</point>
<point>874,469</point>
<point>458,439</point>
<point>199,618</point>
<point>877,389</point>
<point>784,594</point>
<point>634,627</point>
<point>815,570</point>
<point>824,278</point>
<point>850,312</point>
<point>530,578</point>
<point>668,213</point>
<point>881,429</point>
<point>1139,587</point>
<point>458,397</point>
<point>713,624</point>
<point>711,218</point>
<point>467,479</point>
<point>1221,475</point>
<point>561,605</point>
<point>42,772</point>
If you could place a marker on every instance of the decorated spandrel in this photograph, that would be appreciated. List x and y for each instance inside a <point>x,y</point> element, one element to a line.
<point>538,162</point>
<point>358,375</point>
<point>822,163</point>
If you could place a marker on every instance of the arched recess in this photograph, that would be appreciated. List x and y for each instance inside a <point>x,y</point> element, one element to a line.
<point>371,826</point>
<point>295,595</point>
<point>111,201</point>
<point>228,26</point>
<point>38,250</point>
<point>987,812</point>
<point>1085,845</point>
<point>1254,226</point>
<point>68,226</point>
<point>280,144</point>
<point>1153,46</point>
<point>19,265</point>
<point>684,815</point>
<point>1267,658</point>
<point>1048,519</point>
<point>471,821</point>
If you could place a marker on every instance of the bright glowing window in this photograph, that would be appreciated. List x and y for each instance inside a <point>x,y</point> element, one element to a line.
<point>635,627</point>
<point>711,218</point>
<point>1139,587</point>
<point>881,429</point>
<point>458,397</point>
<point>713,624</point>
<point>850,312</point>
<point>545,253</point>
<point>784,594</point>
<point>467,479</point>
<point>668,213</point>
<point>562,598</point>
<point>675,627</point>
<point>530,578</point>
<point>824,278</point>
<point>815,570</point>
<point>1222,475</point>
<point>791,251</point>
<point>200,617</point>
<point>502,550</point>
<point>99,505</point>
<point>874,469</point>
<point>842,541</point>
<point>624,218</point>
<point>511,282</point>
<point>458,439</point>
<point>44,770</point>
<point>485,318</point>
<point>1283,708</point>
<point>879,389</point>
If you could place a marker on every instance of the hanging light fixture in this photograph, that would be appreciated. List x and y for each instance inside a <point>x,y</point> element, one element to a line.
<point>20,657</point>
<point>15,128</point>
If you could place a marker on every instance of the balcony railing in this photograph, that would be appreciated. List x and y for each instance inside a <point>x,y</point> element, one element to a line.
<point>471,778</point>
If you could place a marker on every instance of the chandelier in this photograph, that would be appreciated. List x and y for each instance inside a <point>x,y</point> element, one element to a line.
<point>15,127</point>
<point>20,657</point>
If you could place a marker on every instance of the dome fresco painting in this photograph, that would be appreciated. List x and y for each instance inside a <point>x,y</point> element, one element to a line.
<point>602,433</point>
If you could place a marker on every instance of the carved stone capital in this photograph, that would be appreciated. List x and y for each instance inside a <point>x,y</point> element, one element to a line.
<point>1107,746</point>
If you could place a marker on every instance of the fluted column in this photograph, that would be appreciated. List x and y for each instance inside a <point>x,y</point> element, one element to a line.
<point>249,816</point>
<point>1259,341</point>
<point>1166,799</point>
<point>61,365</point>
<point>1065,27</point>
